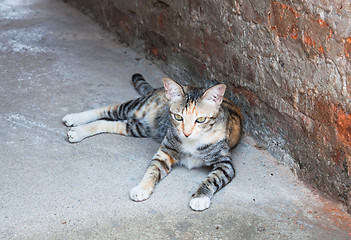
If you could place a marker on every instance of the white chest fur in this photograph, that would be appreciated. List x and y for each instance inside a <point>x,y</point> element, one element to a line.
<point>192,159</point>
<point>190,146</point>
<point>192,162</point>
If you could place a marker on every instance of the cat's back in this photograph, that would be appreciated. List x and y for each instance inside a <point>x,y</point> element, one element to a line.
<point>234,124</point>
<point>155,112</point>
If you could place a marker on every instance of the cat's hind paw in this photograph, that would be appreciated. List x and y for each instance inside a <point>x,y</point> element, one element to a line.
<point>200,203</point>
<point>76,119</point>
<point>71,120</point>
<point>75,134</point>
<point>139,194</point>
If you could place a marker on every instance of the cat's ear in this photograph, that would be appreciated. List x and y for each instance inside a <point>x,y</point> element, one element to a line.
<point>173,90</point>
<point>214,94</point>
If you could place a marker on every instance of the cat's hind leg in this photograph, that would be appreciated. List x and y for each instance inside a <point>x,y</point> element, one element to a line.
<point>130,127</point>
<point>77,134</point>
<point>76,119</point>
<point>122,111</point>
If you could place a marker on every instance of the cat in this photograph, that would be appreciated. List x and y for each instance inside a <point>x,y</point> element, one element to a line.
<point>196,127</point>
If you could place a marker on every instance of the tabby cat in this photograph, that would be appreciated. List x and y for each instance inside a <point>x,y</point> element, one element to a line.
<point>197,127</point>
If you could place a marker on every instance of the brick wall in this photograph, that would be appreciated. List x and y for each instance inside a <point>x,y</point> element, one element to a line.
<point>287,64</point>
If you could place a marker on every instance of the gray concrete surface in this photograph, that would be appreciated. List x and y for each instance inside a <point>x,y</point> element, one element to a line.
<point>54,61</point>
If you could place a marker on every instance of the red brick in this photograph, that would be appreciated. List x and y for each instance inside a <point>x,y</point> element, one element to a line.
<point>316,35</point>
<point>348,164</point>
<point>343,126</point>
<point>347,48</point>
<point>284,20</point>
<point>250,96</point>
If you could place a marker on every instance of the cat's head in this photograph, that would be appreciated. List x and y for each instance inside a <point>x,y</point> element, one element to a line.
<point>193,109</point>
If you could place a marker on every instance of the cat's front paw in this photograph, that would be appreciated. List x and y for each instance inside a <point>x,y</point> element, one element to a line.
<point>200,203</point>
<point>139,194</point>
<point>75,134</point>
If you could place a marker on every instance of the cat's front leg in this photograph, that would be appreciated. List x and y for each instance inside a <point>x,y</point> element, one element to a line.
<point>223,172</point>
<point>160,166</point>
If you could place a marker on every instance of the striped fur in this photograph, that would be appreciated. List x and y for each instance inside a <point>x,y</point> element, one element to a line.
<point>196,127</point>
<point>142,87</point>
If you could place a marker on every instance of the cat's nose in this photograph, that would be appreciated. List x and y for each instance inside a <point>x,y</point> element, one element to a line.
<point>186,134</point>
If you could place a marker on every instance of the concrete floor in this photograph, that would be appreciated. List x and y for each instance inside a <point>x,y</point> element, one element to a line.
<point>54,61</point>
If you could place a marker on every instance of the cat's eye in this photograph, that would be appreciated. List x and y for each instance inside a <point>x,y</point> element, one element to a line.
<point>178,117</point>
<point>201,119</point>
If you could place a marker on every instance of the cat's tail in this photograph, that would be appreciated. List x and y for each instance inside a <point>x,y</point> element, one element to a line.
<point>140,84</point>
